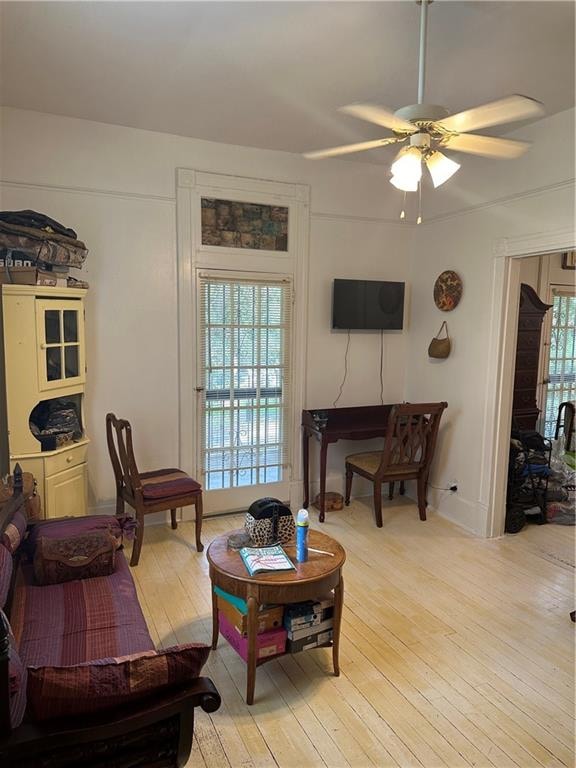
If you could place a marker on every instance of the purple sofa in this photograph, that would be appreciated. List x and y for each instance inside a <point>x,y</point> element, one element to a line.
<point>132,706</point>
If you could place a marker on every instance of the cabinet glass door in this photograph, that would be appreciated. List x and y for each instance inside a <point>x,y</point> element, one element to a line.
<point>60,331</point>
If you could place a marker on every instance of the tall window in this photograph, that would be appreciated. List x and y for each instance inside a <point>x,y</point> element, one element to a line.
<point>244,326</point>
<point>560,380</point>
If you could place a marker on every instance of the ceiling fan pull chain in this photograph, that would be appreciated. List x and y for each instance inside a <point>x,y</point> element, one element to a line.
<point>419,219</point>
<point>422,59</point>
<point>403,211</point>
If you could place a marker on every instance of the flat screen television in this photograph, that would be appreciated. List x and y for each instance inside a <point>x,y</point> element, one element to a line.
<point>367,305</point>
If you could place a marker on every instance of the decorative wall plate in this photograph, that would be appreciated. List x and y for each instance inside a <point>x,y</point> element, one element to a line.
<point>448,290</point>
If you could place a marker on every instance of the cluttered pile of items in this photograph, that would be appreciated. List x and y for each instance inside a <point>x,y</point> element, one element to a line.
<point>541,477</point>
<point>55,423</point>
<point>37,250</point>
<point>280,628</point>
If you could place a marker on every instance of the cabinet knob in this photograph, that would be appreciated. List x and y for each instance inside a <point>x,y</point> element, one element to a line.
<point>69,459</point>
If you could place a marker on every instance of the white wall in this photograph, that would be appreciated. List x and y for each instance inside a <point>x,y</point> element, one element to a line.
<point>465,242</point>
<point>116,187</point>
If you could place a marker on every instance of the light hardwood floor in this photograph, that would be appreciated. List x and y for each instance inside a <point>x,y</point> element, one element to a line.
<point>455,650</point>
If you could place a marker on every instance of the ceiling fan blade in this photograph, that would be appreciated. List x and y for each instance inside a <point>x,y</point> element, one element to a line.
<point>347,149</point>
<point>506,110</point>
<point>379,115</point>
<point>487,146</point>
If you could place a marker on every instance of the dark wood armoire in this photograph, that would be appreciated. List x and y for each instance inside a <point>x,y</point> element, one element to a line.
<point>530,317</point>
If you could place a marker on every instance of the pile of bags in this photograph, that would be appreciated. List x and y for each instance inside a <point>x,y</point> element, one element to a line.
<point>34,238</point>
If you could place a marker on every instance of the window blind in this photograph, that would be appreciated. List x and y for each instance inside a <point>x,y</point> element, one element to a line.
<point>245,378</point>
<point>561,378</point>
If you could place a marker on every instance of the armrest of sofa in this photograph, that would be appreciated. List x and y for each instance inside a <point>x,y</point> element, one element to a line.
<point>157,731</point>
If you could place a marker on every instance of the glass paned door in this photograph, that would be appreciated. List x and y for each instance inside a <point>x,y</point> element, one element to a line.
<point>244,328</point>
<point>59,325</point>
<point>560,376</point>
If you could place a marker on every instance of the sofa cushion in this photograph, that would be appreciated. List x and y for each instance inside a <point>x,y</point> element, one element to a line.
<point>6,569</point>
<point>75,526</point>
<point>17,678</point>
<point>110,683</point>
<point>74,622</point>
<point>76,557</point>
<point>14,532</point>
<point>166,484</point>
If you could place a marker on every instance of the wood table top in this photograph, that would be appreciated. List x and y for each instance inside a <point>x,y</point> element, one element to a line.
<point>228,561</point>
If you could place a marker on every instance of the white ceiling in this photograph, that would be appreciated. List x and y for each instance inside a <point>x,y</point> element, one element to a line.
<point>271,74</point>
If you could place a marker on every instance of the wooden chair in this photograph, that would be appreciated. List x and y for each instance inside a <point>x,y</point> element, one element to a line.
<point>155,491</point>
<point>408,451</point>
<point>565,424</point>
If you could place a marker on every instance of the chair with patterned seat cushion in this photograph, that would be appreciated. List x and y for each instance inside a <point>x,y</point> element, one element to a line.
<point>146,492</point>
<point>408,451</point>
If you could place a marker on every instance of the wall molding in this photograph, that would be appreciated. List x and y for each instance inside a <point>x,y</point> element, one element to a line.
<point>535,243</point>
<point>87,191</point>
<point>322,216</point>
<point>188,178</point>
<point>568,183</point>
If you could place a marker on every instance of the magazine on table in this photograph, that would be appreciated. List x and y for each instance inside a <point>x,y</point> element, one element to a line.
<point>263,559</point>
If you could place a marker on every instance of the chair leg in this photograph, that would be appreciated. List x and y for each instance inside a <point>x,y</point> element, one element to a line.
<point>378,504</point>
<point>199,512</point>
<point>421,483</point>
<point>402,488</point>
<point>390,491</point>
<point>173,520</point>
<point>119,505</point>
<point>137,546</point>
<point>349,474</point>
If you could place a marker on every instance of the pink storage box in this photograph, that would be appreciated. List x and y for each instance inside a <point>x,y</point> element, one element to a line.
<point>267,644</point>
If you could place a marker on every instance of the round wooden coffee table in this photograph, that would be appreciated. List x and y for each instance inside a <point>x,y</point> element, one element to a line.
<point>311,580</point>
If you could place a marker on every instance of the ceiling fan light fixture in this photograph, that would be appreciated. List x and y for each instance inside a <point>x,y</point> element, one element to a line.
<point>405,184</point>
<point>407,169</point>
<point>441,168</point>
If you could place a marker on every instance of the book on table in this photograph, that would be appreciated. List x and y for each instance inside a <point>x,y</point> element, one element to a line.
<point>263,559</point>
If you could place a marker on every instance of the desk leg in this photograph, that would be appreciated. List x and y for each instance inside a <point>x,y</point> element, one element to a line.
<point>338,603</point>
<point>215,625</point>
<point>323,456</point>
<point>251,672</point>
<point>306,466</point>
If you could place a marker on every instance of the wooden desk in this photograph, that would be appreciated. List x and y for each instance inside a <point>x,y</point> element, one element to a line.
<point>312,579</point>
<point>333,424</point>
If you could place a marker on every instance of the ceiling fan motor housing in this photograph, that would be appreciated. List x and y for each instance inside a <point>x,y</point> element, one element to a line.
<point>420,140</point>
<point>422,112</point>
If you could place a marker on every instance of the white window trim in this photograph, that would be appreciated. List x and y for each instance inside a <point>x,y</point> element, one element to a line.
<point>191,186</point>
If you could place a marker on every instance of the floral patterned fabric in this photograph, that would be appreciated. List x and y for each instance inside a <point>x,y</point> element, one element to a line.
<point>78,557</point>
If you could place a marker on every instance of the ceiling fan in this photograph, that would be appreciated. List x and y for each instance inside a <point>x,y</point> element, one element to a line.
<point>425,129</point>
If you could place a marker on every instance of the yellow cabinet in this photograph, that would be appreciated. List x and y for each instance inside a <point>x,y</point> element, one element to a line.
<point>65,492</point>
<point>42,369</point>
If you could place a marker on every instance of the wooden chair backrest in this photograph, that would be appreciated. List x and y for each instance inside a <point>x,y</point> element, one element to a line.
<point>411,437</point>
<point>565,423</point>
<point>120,448</point>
